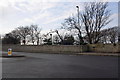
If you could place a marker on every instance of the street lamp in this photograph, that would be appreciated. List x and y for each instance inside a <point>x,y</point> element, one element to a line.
<point>118,35</point>
<point>78,15</point>
<point>78,21</point>
<point>79,25</point>
<point>51,38</point>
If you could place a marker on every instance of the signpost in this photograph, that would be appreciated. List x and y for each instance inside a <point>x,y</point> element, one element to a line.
<point>9,52</point>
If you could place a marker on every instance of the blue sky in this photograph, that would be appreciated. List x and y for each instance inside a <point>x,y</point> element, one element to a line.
<point>48,14</point>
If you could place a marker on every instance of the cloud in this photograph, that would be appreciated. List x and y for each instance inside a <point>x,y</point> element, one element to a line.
<point>31,11</point>
<point>14,13</point>
<point>114,18</point>
<point>115,15</point>
<point>49,16</point>
<point>68,11</point>
<point>35,18</point>
<point>26,6</point>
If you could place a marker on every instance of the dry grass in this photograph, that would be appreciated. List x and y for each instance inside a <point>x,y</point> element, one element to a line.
<point>101,54</point>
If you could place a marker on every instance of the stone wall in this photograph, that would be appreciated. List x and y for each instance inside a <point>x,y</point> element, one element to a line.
<point>108,48</point>
<point>47,48</point>
<point>63,48</point>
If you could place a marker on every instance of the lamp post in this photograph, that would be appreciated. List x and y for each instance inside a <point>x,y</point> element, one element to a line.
<point>51,38</point>
<point>0,40</point>
<point>78,21</point>
<point>78,15</point>
<point>118,35</point>
<point>79,26</point>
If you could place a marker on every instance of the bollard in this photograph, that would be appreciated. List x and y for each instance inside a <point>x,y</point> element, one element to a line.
<point>9,52</point>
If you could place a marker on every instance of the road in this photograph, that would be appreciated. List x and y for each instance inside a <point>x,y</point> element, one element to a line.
<point>39,65</point>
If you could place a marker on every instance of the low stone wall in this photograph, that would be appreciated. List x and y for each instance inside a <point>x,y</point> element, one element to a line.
<point>47,48</point>
<point>108,48</point>
<point>63,48</point>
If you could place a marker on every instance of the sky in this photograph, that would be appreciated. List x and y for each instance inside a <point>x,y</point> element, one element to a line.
<point>47,14</point>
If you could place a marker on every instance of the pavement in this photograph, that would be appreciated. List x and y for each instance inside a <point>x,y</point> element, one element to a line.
<point>43,65</point>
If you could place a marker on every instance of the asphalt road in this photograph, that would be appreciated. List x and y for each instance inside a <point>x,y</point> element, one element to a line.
<point>39,65</point>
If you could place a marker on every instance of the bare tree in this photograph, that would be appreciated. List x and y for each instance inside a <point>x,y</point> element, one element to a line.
<point>109,35</point>
<point>113,34</point>
<point>104,36</point>
<point>95,17</point>
<point>15,34</point>
<point>32,36</point>
<point>71,23</point>
<point>56,39</point>
<point>61,38</point>
<point>23,32</point>
<point>35,34</point>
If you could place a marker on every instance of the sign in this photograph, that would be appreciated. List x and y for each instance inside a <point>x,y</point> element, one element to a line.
<point>9,52</point>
